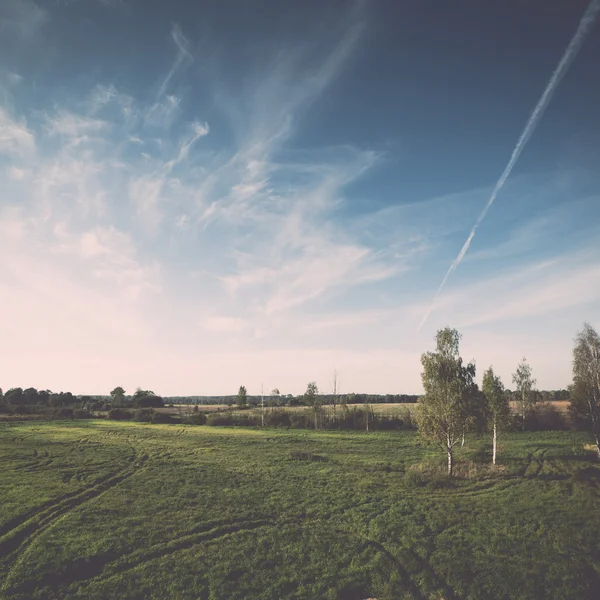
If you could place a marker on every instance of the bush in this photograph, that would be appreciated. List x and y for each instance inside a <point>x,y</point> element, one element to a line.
<point>80,413</point>
<point>218,420</point>
<point>300,421</point>
<point>163,418</point>
<point>229,419</point>
<point>197,418</point>
<point>120,414</point>
<point>545,417</point>
<point>277,418</point>
<point>63,413</point>
<point>149,401</point>
<point>143,415</point>
<point>414,479</point>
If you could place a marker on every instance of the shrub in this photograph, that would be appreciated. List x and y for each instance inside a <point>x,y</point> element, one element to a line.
<point>413,478</point>
<point>149,401</point>
<point>163,418</point>
<point>80,413</point>
<point>277,418</point>
<point>119,414</point>
<point>197,418</point>
<point>144,415</point>
<point>218,420</point>
<point>545,417</point>
<point>230,419</point>
<point>300,421</point>
<point>63,413</point>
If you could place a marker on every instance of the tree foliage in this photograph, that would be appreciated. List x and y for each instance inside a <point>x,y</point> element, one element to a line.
<point>524,381</point>
<point>443,413</point>
<point>585,393</point>
<point>242,397</point>
<point>496,405</point>
<point>118,396</point>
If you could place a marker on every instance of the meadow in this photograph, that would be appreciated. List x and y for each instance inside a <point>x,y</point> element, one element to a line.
<point>97,509</point>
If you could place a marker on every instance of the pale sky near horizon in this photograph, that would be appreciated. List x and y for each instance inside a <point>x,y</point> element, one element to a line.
<point>200,195</point>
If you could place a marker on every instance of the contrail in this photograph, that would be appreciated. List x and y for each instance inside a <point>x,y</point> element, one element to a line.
<point>570,53</point>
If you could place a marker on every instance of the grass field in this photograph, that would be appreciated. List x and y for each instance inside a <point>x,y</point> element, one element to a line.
<point>95,509</point>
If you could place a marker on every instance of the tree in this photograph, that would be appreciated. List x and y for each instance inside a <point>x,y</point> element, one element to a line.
<point>311,398</point>
<point>118,396</point>
<point>242,397</point>
<point>275,396</point>
<point>496,404</point>
<point>441,413</point>
<point>525,382</point>
<point>14,396</point>
<point>334,389</point>
<point>585,392</point>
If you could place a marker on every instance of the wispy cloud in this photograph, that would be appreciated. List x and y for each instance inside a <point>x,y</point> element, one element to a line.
<point>163,238</point>
<point>15,137</point>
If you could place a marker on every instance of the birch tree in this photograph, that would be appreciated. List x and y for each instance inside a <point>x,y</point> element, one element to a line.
<point>525,383</point>
<point>585,392</point>
<point>496,404</point>
<point>442,414</point>
<point>334,389</point>
<point>311,398</point>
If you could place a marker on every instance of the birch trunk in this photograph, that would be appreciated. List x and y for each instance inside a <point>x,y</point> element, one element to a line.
<point>494,451</point>
<point>463,439</point>
<point>449,447</point>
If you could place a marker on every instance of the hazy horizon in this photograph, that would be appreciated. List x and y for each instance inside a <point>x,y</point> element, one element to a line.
<point>198,196</point>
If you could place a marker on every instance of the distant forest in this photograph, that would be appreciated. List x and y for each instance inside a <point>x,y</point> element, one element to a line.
<point>142,398</point>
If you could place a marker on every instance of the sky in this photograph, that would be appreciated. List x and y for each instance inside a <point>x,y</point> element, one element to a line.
<point>196,196</point>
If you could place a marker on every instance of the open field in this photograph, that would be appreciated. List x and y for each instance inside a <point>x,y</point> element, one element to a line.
<point>97,509</point>
<point>390,409</point>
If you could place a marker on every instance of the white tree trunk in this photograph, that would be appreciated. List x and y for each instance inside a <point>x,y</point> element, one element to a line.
<point>463,439</point>
<point>449,448</point>
<point>494,451</point>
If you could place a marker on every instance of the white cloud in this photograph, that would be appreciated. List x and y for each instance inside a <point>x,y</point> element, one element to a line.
<point>163,251</point>
<point>15,138</point>
<point>72,125</point>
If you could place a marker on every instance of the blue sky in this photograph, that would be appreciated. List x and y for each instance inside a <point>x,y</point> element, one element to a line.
<point>196,196</point>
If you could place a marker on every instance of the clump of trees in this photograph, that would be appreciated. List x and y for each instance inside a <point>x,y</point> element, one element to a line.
<point>453,404</point>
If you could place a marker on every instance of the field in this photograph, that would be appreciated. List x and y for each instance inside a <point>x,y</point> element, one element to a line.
<point>95,509</point>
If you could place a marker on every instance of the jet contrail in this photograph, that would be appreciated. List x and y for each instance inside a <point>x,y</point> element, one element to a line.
<point>570,53</point>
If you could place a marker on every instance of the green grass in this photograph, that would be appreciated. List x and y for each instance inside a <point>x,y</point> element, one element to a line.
<point>124,510</point>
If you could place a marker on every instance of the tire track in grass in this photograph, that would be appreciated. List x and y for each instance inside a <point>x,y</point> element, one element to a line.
<point>105,566</point>
<point>15,542</point>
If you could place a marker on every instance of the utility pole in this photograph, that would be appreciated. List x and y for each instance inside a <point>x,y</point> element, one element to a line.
<point>262,405</point>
